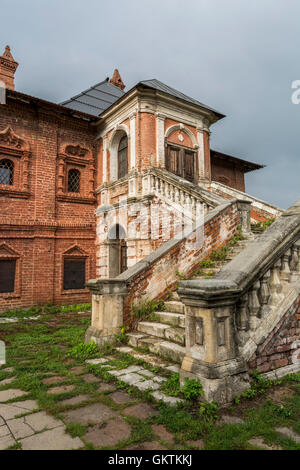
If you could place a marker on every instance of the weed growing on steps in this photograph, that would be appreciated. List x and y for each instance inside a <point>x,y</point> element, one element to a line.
<point>264,225</point>
<point>122,337</point>
<point>145,309</point>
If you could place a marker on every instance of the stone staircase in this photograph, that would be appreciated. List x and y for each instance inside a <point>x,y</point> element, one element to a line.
<point>164,335</point>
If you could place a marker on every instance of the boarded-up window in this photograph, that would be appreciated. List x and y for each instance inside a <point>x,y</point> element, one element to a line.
<point>182,162</point>
<point>74,274</point>
<point>7,275</point>
<point>123,157</point>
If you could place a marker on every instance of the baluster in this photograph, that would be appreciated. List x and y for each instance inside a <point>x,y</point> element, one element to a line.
<point>194,207</point>
<point>254,305</point>
<point>285,273</point>
<point>153,178</point>
<point>177,195</point>
<point>182,199</point>
<point>294,263</point>
<point>243,322</point>
<point>162,188</point>
<point>157,185</point>
<point>275,284</point>
<point>264,295</point>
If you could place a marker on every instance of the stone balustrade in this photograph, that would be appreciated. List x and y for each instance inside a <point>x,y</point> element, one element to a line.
<point>240,307</point>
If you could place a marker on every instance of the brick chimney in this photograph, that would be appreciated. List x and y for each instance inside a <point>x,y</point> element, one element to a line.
<point>8,66</point>
<point>117,80</point>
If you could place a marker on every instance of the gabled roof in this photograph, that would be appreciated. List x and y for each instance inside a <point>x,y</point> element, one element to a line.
<point>160,86</point>
<point>96,99</point>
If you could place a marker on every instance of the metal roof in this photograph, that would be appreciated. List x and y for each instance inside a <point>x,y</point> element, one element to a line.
<point>157,85</point>
<point>96,99</point>
<point>103,95</point>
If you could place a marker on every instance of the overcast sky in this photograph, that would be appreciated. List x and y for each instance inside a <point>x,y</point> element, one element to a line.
<point>237,56</point>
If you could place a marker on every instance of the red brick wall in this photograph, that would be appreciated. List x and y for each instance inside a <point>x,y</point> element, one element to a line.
<point>40,228</point>
<point>160,276</point>
<point>277,349</point>
<point>227,173</point>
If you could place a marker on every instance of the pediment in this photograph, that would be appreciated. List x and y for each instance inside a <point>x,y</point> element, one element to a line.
<point>11,140</point>
<point>75,250</point>
<point>6,250</point>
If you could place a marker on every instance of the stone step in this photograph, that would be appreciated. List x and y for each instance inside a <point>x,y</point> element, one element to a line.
<point>161,330</point>
<point>174,306</point>
<point>158,346</point>
<point>174,319</point>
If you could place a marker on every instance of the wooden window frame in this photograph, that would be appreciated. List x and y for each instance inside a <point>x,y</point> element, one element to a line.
<point>182,150</point>
<point>7,253</point>
<point>119,150</point>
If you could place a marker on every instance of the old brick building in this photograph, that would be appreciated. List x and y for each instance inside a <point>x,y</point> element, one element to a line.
<point>66,171</point>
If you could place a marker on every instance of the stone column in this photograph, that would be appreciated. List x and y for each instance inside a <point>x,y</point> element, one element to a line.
<point>244,208</point>
<point>104,159</point>
<point>107,310</point>
<point>211,351</point>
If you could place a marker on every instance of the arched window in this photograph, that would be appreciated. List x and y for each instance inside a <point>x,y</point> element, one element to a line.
<point>6,172</point>
<point>123,157</point>
<point>74,181</point>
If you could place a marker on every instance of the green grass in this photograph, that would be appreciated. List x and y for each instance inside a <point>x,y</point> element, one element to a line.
<point>40,349</point>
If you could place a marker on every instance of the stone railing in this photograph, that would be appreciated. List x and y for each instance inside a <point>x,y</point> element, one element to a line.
<point>259,210</point>
<point>151,278</point>
<point>242,318</point>
<point>184,196</point>
<point>187,197</point>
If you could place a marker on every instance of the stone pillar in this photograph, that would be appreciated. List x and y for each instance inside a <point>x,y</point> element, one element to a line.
<point>211,352</point>
<point>244,208</point>
<point>107,310</point>
<point>104,176</point>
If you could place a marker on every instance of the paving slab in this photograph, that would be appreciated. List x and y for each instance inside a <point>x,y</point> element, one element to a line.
<point>106,387</point>
<point>89,414</point>
<point>19,428</point>
<point>1,421</point>
<point>199,444</point>
<point>27,405</point>
<point>90,378</point>
<point>101,360</point>
<point>124,349</point>
<point>7,381</point>
<point>121,397</point>
<point>7,369</point>
<point>10,411</point>
<point>147,385</point>
<point>151,445</point>
<point>61,389</point>
<point>54,380</point>
<point>174,368</point>
<point>75,400</point>
<point>6,441</point>
<point>166,399</point>
<point>159,379</point>
<point>55,439</point>
<point>141,411</point>
<point>4,431</point>
<point>146,373</point>
<point>41,420</point>
<point>109,434</point>
<point>289,433</point>
<point>227,419</point>
<point>77,370</point>
<point>162,433</point>
<point>131,379</point>
<point>10,394</point>
<point>260,443</point>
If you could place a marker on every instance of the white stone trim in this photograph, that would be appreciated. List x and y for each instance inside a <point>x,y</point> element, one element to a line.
<point>114,141</point>
<point>132,142</point>
<point>104,159</point>
<point>201,161</point>
<point>183,128</point>
<point>160,140</point>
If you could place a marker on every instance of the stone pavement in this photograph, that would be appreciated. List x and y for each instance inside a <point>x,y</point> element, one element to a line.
<point>21,423</point>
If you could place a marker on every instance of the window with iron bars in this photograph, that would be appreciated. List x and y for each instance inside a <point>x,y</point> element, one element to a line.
<point>6,172</point>
<point>74,181</point>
